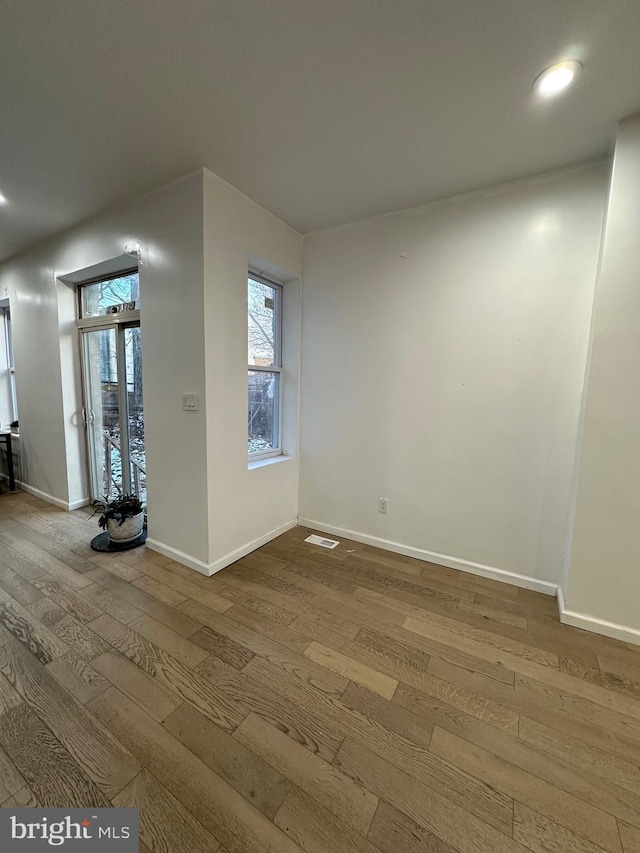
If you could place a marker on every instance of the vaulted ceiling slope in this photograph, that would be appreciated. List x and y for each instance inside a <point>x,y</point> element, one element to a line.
<point>323,111</point>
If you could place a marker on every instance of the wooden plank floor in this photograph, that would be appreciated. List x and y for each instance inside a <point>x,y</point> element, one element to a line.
<point>304,699</point>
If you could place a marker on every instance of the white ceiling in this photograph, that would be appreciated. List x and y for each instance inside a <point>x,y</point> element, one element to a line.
<point>324,111</point>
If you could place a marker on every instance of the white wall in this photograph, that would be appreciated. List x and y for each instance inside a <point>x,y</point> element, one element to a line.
<point>168,227</point>
<point>603,581</point>
<point>442,367</point>
<point>444,353</point>
<point>29,284</point>
<point>246,505</point>
<point>196,239</point>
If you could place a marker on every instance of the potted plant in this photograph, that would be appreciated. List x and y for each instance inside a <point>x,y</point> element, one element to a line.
<point>122,518</point>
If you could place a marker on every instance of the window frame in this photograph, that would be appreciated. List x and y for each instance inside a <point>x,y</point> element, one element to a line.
<point>86,321</point>
<point>276,367</point>
<point>8,340</point>
<point>119,322</point>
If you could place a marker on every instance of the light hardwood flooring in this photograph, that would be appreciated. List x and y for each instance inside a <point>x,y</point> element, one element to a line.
<point>304,699</point>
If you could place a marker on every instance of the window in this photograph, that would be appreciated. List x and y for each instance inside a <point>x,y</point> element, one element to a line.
<point>264,323</point>
<point>119,292</point>
<point>12,371</point>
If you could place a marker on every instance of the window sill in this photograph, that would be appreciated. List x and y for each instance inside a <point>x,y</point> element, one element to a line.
<point>270,460</point>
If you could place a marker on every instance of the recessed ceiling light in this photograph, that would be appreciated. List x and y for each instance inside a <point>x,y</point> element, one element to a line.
<point>557,77</point>
<point>3,199</point>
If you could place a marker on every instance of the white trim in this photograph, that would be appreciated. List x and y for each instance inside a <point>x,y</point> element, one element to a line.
<point>222,562</point>
<point>31,490</point>
<point>261,455</point>
<point>253,464</point>
<point>38,494</point>
<point>276,367</point>
<point>595,625</point>
<point>524,581</point>
<point>106,321</point>
<point>178,556</point>
<point>78,504</point>
<point>241,552</point>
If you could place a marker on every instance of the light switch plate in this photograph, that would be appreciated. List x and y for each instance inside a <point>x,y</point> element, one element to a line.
<point>190,402</point>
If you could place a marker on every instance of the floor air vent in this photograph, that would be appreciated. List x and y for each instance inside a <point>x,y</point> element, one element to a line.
<point>321,541</point>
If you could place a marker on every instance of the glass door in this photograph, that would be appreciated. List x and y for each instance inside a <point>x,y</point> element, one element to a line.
<point>114,414</point>
<point>102,412</point>
<point>134,411</point>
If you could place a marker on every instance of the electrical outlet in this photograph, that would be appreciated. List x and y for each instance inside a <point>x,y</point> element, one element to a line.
<point>383,505</point>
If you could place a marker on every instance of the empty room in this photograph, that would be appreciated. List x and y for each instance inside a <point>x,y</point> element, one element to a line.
<point>320,426</point>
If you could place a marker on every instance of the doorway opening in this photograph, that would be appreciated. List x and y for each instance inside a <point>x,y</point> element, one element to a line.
<point>111,357</point>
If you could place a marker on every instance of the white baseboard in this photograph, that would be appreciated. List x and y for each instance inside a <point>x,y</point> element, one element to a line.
<point>78,504</point>
<point>597,626</point>
<point>241,552</point>
<point>69,507</point>
<point>524,581</point>
<point>221,563</point>
<point>42,495</point>
<point>178,556</point>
